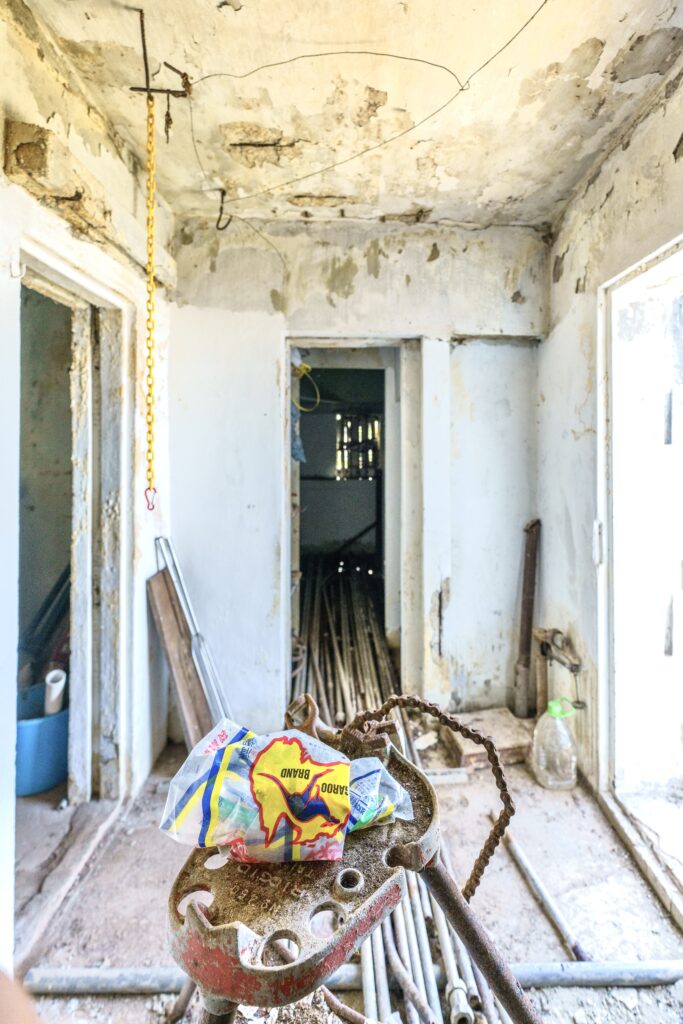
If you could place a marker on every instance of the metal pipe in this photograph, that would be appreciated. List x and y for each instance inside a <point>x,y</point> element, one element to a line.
<point>381,979</point>
<point>367,971</point>
<point>479,945</point>
<point>413,948</point>
<point>547,902</point>
<point>408,986</point>
<point>466,972</point>
<point>488,1007</point>
<point>402,945</point>
<point>456,992</point>
<point>62,981</point>
<point>502,1013</point>
<point>423,947</point>
<point>461,954</point>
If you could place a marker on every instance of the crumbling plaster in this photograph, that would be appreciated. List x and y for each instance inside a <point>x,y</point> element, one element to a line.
<point>39,88</point>
<point>629,207</point>
<point>533,92</point>
<point>378,279</point>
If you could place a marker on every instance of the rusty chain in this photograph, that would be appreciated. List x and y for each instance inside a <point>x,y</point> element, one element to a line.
<point>399,700</point>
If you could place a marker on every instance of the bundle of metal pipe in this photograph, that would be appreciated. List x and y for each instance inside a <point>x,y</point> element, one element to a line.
<point>349,669</point>
<point>345,665</point>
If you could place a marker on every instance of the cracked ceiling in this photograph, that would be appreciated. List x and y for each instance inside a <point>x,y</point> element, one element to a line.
<point>508,149</point>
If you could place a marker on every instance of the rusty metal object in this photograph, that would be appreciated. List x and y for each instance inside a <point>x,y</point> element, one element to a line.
<point>522,695</point>
<point>553,645</point>
<point>481,948</point>
<point>363,721</point>
<point>224,945</point>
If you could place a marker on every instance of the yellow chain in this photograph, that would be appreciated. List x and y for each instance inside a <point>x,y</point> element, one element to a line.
<point>150,492</point>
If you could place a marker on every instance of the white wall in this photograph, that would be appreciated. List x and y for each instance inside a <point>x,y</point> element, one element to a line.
<point>382,281</point>
<point>230,486</point>
<point>626,210</point>
<point>493,496</point>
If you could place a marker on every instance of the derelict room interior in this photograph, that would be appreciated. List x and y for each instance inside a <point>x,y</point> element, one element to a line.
<point>342,457</point>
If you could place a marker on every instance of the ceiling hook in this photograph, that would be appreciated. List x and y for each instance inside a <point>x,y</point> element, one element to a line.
<point>222,226</point>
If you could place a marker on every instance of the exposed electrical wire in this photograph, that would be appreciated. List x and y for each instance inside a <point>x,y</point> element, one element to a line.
<point>463,86</point>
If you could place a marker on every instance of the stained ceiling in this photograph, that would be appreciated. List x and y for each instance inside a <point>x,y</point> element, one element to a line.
<point>529,94</point>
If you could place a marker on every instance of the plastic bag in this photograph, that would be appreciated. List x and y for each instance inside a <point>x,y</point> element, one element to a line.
<point>279,797</point>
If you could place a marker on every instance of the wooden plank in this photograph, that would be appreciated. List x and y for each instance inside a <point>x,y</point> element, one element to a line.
<point>176,641</point>
<point>512,737</point>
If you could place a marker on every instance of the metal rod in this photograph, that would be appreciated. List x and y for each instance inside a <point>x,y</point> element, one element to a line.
<point>368,980</point>
<point>502,1013</point>
<point>413,947</point>
<point>521,685</point>
<point>547,902</point>
<point>456,992</point>
<point>381,979</point>
<point>479,945</point>
<point>488,1007</point>
<point>62,981</point>
<point>402,946</point>
<point>423,946</point>
<point>408,986</point>
<point>177,1011</point>
<point>180,93</point>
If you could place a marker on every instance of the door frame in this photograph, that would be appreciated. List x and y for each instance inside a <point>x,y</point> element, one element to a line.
<point>100,680</point>
<point>425,537</point>
<point>639,847</point>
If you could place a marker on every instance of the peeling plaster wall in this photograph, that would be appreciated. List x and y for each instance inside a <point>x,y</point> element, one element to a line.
<point>390,279</point>
<point>37,88</point>
<point>493,496</point>
<point>351,280</point>
<point>629,207</point>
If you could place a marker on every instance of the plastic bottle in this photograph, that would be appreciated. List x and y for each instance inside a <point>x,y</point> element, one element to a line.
<point>553,750</point>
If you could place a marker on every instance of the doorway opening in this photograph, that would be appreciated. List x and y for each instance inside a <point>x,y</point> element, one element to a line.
<point>346,527</point>
<point>645,512</point>
<point>72,592</point>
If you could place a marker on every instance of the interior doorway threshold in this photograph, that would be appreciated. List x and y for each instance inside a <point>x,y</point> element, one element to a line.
<point>89,825</point>
<point>651,866</point>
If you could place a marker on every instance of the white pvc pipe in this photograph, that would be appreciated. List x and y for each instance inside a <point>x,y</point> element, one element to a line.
<point>55,683</point>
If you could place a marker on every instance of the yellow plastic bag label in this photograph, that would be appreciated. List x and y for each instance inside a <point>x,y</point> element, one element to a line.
<point>308,796</point>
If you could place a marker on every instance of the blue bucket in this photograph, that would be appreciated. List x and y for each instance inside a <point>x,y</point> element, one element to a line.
<point>42,743</point>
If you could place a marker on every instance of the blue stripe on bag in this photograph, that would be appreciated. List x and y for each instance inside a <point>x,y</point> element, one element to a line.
<point>206,799</point>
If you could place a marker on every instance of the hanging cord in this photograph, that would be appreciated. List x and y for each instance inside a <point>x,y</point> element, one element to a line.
<point>150,490</point>
<point>304,370</point>
<point>359,724</point>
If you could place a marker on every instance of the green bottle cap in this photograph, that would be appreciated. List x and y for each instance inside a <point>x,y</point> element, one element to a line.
<point>556,710</point>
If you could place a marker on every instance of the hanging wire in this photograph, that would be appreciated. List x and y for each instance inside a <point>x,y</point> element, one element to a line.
<point>463,86</point>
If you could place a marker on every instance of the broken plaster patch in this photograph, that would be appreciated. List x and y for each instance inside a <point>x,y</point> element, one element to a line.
<point>340,278</point>
<point>374,99</point>
<point>647,55</point>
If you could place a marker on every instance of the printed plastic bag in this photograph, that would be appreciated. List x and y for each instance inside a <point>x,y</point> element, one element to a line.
<point>279,797</point>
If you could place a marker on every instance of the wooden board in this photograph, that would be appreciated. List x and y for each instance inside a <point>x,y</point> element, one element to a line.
<point>176,641</point>
<point>511,735</point>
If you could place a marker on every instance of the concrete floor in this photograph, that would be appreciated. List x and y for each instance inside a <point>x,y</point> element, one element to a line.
<point>116,915</point>
<point>656,810</point>
<point>43,822</point>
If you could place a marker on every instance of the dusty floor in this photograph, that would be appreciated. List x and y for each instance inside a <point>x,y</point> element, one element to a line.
<point>43,822</point>
<point>564,834</point>
<point>657,810</point>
